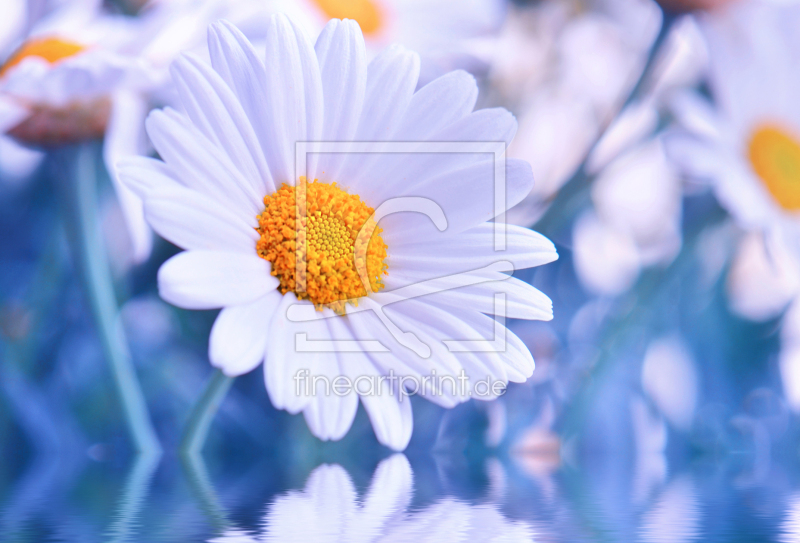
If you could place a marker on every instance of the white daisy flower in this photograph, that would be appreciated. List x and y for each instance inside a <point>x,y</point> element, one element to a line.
<point>83,73</point>
<point>226,192</point>
<point>637,192</point>
<point>635,221</point>
<point>566,69</point>
<point>69,81</point>
<point>748,145</point>
<point>446,36</point>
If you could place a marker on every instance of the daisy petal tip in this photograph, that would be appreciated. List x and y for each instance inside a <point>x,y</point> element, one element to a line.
<point>553,253</point>
<point>141,253</point>
<point>222,26</point>
<point>224,367</point>
<point>397,445</point>
<point>464,76</point>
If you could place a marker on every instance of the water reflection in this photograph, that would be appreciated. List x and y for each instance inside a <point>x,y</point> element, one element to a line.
<point>650,496</point>
<point>674,516</point>
<point>790,528</point>
<point>330,508</point>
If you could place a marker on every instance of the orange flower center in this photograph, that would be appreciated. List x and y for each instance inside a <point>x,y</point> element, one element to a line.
<point>50,49</point>
<point>365,12</point>
<point>775,156</point>
<point>322,232</point>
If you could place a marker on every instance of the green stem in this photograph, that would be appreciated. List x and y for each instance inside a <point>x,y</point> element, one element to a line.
<point>203,413</point>
<point>133,497</point>
<point>204,492</point>
<point>76,171</point>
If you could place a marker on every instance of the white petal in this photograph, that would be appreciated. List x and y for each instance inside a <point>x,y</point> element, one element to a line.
<point>342,60</point>
<point>472,250</point>
<point>391,418</point>
<point>440,325</point>
<point>217,113</point>
<point>467,198</point>
<point>193,221</point>
<point>391,79</point>
<point>366,326</point>
<point>403,173</point>
<point>11,113</point>
<point>145,175</point>
<point>124,135</point>
<point>199,164</point>
<point>333,414</point>
<point>523,301</point>
<point>330,417</point>
<point>284,364</point>
<point>437,105</point>
<point>389,412</point>
<point>239,65</point>
<point>239,336</point>
<point>293,90</point>
<point>408,316</point>
<point>514,355</point>
<point>209,279</point>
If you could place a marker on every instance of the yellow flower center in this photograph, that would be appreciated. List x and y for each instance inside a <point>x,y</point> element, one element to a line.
<point>50,49</point>
<point>775,156</point>
<point>325,248</point>
<point>365,12</point>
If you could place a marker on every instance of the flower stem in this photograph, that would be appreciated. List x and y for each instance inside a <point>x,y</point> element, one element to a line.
<point>134,495</point>
<point>204,492</point>
<point>574,195</point>
<point>203,413</point>
<point>75,169</point>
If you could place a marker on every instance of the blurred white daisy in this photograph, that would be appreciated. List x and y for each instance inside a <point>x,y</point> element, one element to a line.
<point>83,73</point>
<point>635,221</point>
<point>75,78</point>
<point>332,510</point>
<point>566,69</point>
<point>747,147</point>
<point>227,189</point>
<point>447,36</point>
<point>748,143</point>
<point>637,193</point>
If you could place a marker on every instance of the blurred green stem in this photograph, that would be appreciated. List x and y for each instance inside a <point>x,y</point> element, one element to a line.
<point>203,413</point>
<point>133,497</point>
<point>204,491</point>
<point>192,447</point>
<point>574,195</point>
<point>76,171</point>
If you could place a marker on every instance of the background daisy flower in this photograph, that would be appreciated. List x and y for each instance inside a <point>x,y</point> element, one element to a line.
<point>747,146</point>
<point>75,77</point>
<point>748,143</point>
<point>235,146</point>
<point>83,72</point>
<point>445,36</point>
